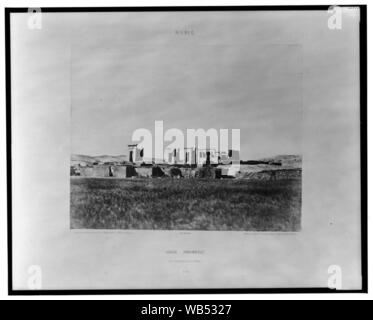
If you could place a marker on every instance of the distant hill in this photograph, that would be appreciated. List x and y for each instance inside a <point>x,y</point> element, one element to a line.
<point>78,158</point>
<point>286,160</point>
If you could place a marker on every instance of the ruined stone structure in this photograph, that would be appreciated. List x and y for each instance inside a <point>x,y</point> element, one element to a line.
<point>188,156</point>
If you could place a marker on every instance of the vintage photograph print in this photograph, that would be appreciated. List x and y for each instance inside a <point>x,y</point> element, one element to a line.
<point>186,121</point>
<point>187,149</point>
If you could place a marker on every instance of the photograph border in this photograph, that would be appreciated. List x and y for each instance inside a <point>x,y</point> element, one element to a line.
<point>363,152</point>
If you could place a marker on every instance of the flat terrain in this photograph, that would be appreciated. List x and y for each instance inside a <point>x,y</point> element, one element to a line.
<point>185,204</point>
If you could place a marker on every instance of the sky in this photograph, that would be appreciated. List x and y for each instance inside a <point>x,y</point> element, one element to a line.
<point>265,73</point>
<point>235,71</point>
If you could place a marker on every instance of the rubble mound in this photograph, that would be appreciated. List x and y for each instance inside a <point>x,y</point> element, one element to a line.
<point>157,172</point>
<point>206,172</point>
<point>175,173</point>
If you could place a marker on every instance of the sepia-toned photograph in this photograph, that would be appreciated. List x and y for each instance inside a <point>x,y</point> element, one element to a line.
<point>179,129</point>
<point>181,149</point>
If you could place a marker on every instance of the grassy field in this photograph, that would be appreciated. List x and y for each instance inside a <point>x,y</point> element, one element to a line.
<point>185,204</point>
